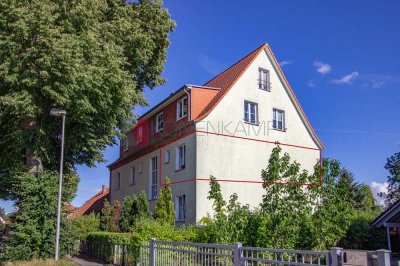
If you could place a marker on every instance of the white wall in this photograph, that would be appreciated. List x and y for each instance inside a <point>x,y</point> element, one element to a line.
<point>240,159</point>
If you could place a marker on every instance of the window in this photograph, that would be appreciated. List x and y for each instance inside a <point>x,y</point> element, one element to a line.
<point>118,181</point>
<point>133,175</point>
<point>181,108</point>
<point>250,112</point>
<point>153,178</point>
<point>167,156</point>
<point>180,208</point>
<point>159,122</point>
<point>141,167</point>
<point>126,143</point>
<point>263,79</point>
<point>279,120</point>
<point>139,138</point>
<point>180,155</point>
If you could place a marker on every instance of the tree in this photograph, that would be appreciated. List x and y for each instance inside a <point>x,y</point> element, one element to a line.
<point>393,166</point>
<point>106,216</point>
<point>92,59</point>
<point>285,202</point>
<point>34,227</point>
<point>127,216</point>
<point>116,216</point>
<point>165,211</point>
<point>133,209</point>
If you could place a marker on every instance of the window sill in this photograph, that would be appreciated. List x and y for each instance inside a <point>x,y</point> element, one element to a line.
<point>166,162</point>
<point>153,199</point>
<point>180,221</point>
<point>178,170</point>
<point>250,123</point>
<point>131,185</point>
<point>281,130</point>
<point>158,131</point>
<point>180,118</point>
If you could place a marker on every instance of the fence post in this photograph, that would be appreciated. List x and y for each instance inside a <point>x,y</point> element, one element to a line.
<point>237,254</point>
<point>336,254</point>
<point>383,257</point>
<point>152,252</point>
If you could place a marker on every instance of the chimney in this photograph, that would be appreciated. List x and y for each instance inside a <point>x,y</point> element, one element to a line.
<point>103,189</point>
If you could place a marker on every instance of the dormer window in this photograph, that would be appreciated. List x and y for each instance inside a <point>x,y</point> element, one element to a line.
<point>181,108</point>
<point>264,82</point>
<point>159,122</point>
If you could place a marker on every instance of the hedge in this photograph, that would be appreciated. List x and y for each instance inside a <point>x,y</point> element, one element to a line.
<point>110,238</point>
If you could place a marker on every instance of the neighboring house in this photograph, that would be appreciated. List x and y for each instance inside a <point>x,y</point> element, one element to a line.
<point>226,128</point>
<point>92,205</point>
<point>390,219</point>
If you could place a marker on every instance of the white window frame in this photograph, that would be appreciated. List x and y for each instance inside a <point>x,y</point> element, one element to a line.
<point>180,208</point>
<point>140,167</point>
<point>264,79</point>
<point>180,158</point>
<point>139,137</point>
<point>159,122</point>
<point>167,156</point>
<point>181,111</point>
<point>126,143</point>
<point>118,183</point>
<point>132,180</point>
<point>275,119</point>
<point>153,178</point>
<point>247,115</point>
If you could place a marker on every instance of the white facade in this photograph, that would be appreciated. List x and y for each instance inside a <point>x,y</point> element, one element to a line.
<point>234,151</point>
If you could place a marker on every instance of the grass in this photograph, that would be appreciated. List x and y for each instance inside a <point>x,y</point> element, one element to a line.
<point>37,262</point>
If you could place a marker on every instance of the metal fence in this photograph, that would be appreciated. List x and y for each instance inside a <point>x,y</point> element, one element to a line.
<point>165,253</point>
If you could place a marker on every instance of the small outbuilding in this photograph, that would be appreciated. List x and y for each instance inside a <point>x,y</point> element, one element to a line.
<point>390,219</point>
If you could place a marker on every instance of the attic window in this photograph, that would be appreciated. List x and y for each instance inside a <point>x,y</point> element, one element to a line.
<point>264,82</point>
<point>181,108</point>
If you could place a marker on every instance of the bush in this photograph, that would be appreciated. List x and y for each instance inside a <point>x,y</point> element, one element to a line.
<point>86,224</point>
<point>360,235</point>
<point>109,238</point>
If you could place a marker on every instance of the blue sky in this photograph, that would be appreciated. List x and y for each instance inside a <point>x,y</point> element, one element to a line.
<point>342,59</point>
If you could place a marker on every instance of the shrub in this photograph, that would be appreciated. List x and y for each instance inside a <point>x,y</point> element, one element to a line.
<point>86,224</point>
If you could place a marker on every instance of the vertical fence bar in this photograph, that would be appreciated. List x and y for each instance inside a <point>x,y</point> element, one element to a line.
<point>152,256</point>
<point>383,257</point>
<point>237,254</point>
<point>336,254</point>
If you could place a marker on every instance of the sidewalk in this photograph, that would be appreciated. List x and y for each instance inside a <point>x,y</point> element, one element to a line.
<point>87,261</point>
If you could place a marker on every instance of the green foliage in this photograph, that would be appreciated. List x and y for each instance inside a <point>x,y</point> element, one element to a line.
<point>110,216</point>
<point>393,166</point>
<point>33,230</point>
<point>134,208</point>
<point>360,235</point>
<point>91,58</point>
<point>165,211</point>
<point>85,224</point>
<point>109,237</point>
<point>292,216</point>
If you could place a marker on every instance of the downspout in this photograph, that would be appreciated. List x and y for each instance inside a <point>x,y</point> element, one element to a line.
<point>189,103</point>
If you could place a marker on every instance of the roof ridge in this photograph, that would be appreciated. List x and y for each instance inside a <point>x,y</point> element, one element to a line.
<point>237,62</point>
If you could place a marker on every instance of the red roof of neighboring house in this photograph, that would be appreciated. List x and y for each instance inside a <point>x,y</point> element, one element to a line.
<point>92,205</point>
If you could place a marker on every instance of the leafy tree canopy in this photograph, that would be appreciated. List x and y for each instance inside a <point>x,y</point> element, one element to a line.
<point>92,58</point>
<point>34,227</point>
<point>393,166</point>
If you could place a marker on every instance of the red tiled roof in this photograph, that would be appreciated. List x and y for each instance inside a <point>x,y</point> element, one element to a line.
<point>227,79</point>
<point>94,204</point>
